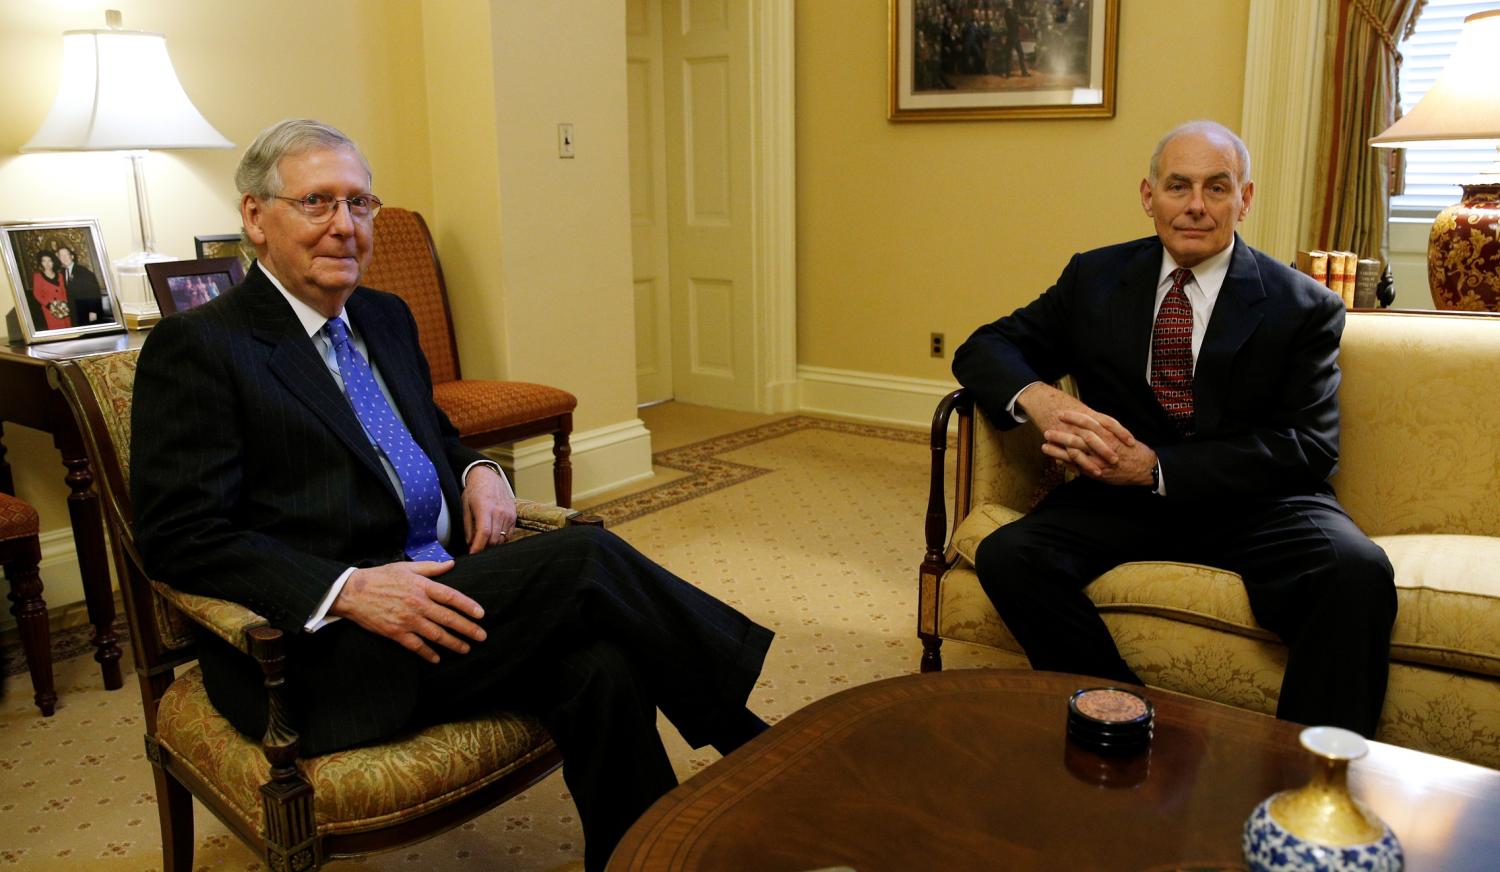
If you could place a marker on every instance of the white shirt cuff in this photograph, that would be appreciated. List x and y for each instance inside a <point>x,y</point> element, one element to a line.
<point>320,618</point>
<point>1014,410</point>
<point>464,479</point>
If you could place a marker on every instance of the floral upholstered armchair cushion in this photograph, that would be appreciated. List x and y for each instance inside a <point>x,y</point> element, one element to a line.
<point>362,788</point>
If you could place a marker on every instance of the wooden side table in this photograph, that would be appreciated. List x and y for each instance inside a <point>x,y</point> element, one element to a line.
<point>29,397</point>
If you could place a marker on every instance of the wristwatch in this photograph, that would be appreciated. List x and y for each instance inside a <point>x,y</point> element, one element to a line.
<point>1156,478</point>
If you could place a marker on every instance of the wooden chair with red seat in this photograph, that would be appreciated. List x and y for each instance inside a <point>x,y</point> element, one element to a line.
<point>20,552</point>
<point>486,413</point>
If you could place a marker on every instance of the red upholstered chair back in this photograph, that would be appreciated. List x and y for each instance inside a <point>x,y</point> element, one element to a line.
<point>405,263</point>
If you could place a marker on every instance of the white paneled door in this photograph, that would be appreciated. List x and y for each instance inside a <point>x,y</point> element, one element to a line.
<point>714,307</point>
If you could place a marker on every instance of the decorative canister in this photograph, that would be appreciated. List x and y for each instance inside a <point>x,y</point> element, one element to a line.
<point>1463,251</point>
<point>1110,720</point>
<point>1320,826</point>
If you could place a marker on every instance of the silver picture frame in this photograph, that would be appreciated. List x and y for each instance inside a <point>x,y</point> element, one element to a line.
<point>79,297</point>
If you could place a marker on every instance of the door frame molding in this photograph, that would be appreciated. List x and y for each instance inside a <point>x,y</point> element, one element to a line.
<point>773,134</point>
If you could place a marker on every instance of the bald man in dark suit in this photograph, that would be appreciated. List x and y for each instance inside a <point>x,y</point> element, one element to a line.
<point>1205,430</point>
<point>287,455</point>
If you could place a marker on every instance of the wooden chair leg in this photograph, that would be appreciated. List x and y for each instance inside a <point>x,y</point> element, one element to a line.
<point>31,618</point>
<point>174,807</point>
<point>932,653</point>
<point>562,469</point>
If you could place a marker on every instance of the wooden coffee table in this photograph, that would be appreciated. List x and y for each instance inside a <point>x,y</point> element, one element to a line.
<point>970,769</point>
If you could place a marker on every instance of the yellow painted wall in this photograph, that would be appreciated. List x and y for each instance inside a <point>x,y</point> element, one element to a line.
<point>565,254</point>
<point>465,218</point>
<point>905,229</point>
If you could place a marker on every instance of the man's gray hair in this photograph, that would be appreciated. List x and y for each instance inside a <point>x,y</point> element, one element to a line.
<point>257,175</point>
<point>1208,128</point>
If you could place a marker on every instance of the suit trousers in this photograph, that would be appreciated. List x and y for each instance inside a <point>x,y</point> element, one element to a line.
<point>1312,577</point>
<point>591,637</point>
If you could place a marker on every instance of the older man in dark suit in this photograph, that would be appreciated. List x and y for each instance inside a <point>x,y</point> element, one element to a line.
<point>287,455</point>
<point>1205,429</point>
<point>83,288</point>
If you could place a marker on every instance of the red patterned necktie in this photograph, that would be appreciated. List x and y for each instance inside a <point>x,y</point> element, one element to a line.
<point>1172,354</point>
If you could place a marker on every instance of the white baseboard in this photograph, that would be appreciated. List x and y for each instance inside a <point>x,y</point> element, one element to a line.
<point>603,458</point>
<point>870,396</point>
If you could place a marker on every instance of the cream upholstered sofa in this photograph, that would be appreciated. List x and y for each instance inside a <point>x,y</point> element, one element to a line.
<point>1419,472</point>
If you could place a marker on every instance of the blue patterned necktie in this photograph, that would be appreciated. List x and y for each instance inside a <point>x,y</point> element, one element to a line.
<point>419,481</point>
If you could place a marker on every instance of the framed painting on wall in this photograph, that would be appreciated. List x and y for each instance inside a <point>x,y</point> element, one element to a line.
<point>955,60</point>
<point>60,279</point>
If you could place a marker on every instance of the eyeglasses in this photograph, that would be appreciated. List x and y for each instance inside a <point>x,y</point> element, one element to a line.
<point>319,208</point>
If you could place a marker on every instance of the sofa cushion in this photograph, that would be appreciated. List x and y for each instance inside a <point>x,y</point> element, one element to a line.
<point>1448,600</point>
<point>1448,597</point>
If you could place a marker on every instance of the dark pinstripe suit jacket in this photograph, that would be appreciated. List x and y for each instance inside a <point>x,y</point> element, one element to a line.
<point>253,481</point>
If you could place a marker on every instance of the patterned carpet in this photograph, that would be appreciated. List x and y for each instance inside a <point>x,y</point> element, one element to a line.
<point>812,527</point>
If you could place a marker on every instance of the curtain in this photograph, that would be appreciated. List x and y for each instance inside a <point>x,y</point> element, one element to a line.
<point>1351,202</point>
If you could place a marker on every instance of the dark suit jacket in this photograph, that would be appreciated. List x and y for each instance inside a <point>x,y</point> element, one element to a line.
<point>253,481</point>
<point>1266,417</point>
<point>84,291</point>
<point>83,284</point>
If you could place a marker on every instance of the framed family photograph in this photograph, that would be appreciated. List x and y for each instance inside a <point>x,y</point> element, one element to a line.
<point>180,285</point>
<point>223,245</point>
<point>955,60</point>
<point>60,279</point>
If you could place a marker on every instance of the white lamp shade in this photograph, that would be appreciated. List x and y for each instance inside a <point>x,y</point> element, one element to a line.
<point>1463,105</point>
<point>119,92</point>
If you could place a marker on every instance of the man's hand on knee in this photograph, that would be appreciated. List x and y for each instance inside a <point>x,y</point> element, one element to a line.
<point>402,602</point>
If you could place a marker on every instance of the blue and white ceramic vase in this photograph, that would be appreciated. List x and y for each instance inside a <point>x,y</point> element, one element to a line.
<point>1320,826</point>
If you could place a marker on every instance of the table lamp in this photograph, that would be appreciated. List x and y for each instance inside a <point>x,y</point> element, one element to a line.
<point>119,92</point>
<point>1462,108</point>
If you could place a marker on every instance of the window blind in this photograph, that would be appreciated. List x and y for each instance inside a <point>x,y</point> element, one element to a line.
<point>1433,173</point>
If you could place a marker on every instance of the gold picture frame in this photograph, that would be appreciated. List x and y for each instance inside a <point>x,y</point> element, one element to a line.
<point>959,61</point>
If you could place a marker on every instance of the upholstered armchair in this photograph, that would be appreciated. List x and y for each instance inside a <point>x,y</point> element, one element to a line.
<point>296,811</point>
<point>486,413</point>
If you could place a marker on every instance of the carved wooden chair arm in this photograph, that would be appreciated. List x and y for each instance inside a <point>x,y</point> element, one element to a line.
<point>229,621</point>
<point>937,515</point>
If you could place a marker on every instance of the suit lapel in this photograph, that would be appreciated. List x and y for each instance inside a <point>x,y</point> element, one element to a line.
<point>1235,317</point>
<point>1134,313</point>
<point>295,362</point>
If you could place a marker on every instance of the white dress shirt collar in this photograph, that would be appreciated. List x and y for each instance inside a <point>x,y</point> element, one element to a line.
<point>311,319</point>
<point>1209,274</point>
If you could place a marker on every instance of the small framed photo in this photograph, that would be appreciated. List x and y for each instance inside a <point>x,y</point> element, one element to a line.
<point>1002,59</point>
<point>60,279</point>
<point>180,285</point>
<point>223,245</point>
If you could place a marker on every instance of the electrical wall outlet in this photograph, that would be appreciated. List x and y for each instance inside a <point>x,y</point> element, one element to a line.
<point>937,345</point>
